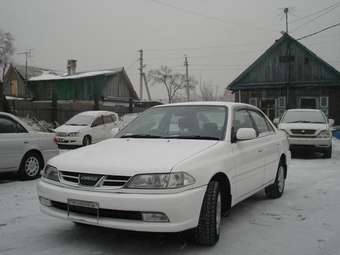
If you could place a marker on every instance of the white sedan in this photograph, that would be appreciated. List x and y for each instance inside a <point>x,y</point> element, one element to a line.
<point>176,167</point>
<point>86,128</point>
<point>22,149</point>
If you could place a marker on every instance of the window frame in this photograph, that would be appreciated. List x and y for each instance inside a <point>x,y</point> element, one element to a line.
<point>17,125</point>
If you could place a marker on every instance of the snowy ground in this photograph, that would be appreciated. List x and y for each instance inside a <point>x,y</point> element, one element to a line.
<point>305,221</point>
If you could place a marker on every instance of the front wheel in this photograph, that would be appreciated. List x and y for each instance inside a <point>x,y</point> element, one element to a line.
<point>86,140</point>
<point>328,153</point>
<point>209,225</point>
<point>276,190</point>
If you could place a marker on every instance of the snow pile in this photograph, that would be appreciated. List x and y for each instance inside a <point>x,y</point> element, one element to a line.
<point>39,125</point>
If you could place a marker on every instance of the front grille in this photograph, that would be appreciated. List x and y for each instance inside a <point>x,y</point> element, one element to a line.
<point>303,131</point>
<point>102,213</point>
<point>93,180</point>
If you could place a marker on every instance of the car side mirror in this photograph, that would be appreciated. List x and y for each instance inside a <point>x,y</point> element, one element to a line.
<point>114,131</point>
<point>276,121</point>
<point>245,134</point>
<point>331,122</point>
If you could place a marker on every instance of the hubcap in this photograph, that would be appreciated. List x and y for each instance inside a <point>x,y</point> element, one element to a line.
<point>281,179</point>
<point>32,166</point>
<point>218,213</point>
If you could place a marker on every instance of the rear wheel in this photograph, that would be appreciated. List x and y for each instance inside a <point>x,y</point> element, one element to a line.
<point>209,225</point>
<point>276,190</point>
<point>30,166</point>
<point>86,140</point>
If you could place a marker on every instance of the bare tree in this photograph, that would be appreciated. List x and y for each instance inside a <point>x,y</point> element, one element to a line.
<point>6,51</point>
<point>173,82</point>
<point>208,93</point>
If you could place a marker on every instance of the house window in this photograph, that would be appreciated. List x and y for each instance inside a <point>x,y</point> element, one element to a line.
<point>286,59</point>
<point>308,102</point>
<point>14,87</point>
<point>281,106</point>
<point>253,101</point>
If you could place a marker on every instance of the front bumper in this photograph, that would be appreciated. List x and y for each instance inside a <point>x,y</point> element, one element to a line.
<point>182,209</point>
<point>317,144</point>
<point>69,140</point>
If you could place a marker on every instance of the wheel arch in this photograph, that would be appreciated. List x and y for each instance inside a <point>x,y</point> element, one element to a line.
<point>33,151</point>
<point>225,185</point>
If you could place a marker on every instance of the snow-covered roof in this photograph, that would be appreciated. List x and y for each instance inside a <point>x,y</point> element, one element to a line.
<point>50,76</point>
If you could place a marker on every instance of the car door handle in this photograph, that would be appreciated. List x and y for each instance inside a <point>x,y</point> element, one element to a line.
<point>260,151</point>
<point>25,142</point>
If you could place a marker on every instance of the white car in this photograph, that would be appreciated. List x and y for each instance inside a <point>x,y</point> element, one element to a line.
<point>22,149</point>
<point>86,128</point>
<point>160,176</point>
<point>307,129</point>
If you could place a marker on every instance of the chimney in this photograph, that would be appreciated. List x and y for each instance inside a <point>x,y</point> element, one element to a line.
<point>71,66</point>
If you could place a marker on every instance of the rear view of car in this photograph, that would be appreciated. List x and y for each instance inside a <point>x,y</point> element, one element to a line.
<point>308,129</point>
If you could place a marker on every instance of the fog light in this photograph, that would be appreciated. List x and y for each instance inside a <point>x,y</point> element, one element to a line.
<point>154,217</point>
<point>45,201</point>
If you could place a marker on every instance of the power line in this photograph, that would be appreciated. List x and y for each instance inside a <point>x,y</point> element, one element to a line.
<point>318,32</point>
<point>317,17</point>
<point>195,13</point>
<point>314,13</point>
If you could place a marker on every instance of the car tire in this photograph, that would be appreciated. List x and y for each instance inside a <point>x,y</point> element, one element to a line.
<point>276,190</point>
<point>87,140</point>
<point>328,153</point>
<point>31,166</point>
<point>208,230</point>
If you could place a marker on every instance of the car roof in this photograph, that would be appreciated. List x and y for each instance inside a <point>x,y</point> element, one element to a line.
<point>96,113</point>
<point>304,110</point>
<point>207,103</point>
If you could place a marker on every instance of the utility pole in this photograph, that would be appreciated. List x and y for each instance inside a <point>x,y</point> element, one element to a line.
<point>186,64</point>
<point>141,67</point>
<point>286,10</point>
<point>28,54</point>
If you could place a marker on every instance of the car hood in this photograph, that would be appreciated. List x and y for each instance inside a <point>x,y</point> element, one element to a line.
<point>289,126</point>
<point>69,128</point>
<point>118,156</point>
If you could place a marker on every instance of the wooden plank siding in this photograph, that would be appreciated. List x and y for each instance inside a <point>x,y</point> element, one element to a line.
<point>287,74</point>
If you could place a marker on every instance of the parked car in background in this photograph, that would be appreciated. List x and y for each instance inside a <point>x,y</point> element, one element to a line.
<point>86,128</point>
<point>176,167</point>
<point>23,149</point>
<point>127,118</point>
<point>307,129</point>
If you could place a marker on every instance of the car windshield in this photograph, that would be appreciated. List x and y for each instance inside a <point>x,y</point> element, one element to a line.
<point>80,120</point>
<point>303,117</point>
<point>179,122</point>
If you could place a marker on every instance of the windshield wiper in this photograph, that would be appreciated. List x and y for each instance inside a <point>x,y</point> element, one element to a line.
<point>198,137</point>
<point>140,136</point>
<point>300,121</point>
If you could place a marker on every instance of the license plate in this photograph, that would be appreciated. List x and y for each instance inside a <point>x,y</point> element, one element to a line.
<point>82,203</point>
<point>75,213</point>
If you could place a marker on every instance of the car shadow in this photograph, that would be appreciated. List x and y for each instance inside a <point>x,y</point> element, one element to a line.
<point>8,177</point>
<point>307,155</point>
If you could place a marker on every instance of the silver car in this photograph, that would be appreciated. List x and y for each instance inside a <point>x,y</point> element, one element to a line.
<point>23,149</point>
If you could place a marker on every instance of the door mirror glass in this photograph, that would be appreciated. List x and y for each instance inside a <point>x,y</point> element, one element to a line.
<point>114,131</point>
<point>331,122</point>
<point>245,134</point>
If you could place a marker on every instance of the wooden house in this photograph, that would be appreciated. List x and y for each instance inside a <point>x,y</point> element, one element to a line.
<point>288,75</point>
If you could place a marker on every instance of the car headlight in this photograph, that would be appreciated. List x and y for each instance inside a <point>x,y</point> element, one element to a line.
<point>51,173</point>
<point>324,134</point>
<point>160,181</point>
<point>73,134</point>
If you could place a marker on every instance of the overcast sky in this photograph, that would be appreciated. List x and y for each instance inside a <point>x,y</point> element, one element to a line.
<point>220,37</point>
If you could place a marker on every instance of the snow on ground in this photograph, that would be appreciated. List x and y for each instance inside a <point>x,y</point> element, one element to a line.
<point>305,221</point>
